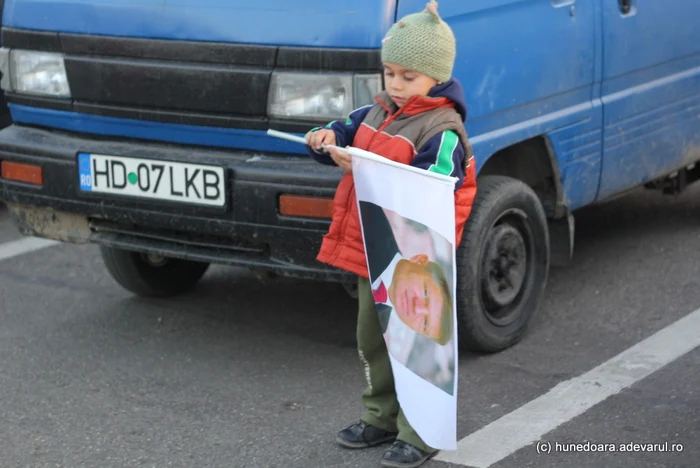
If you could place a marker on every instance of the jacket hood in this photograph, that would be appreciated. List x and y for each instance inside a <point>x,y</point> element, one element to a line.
<point>453,91</point>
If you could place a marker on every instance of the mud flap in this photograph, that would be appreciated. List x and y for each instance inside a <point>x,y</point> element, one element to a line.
<point>561,240</point>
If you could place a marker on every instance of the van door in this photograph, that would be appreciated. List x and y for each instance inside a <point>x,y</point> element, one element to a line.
<point>650,90</point>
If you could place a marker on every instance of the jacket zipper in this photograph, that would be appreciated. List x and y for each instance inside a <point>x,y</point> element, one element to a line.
<point>385,124</point>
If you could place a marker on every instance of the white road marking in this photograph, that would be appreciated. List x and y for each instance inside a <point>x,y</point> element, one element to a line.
<point>22,246</point>
<point>569,399</point>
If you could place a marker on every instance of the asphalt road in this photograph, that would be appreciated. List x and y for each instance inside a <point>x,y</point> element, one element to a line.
<point>244,374</point>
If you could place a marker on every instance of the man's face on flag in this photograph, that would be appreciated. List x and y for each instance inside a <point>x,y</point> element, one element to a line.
<point>417,297</point>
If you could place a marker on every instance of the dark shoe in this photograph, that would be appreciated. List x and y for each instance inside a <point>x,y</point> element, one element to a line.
<point>363,435</point>
<point>405,455</point>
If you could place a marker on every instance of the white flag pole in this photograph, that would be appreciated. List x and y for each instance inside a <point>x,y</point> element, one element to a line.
<point>286,136</point>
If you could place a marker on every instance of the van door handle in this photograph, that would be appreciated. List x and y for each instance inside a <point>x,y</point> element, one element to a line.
<point>625,6</point>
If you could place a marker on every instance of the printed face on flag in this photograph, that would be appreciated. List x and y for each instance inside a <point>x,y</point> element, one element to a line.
<point>414,264</point>
<point>407,217</point>
<point>420,293</point>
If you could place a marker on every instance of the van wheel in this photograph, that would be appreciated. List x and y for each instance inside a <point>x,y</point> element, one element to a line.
<point>151,275</point>
<point>502,264</point>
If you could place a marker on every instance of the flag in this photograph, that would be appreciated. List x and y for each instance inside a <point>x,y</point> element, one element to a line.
<point>408,226</point>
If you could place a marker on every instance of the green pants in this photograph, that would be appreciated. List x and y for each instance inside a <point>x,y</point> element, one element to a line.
<point>379,398</point>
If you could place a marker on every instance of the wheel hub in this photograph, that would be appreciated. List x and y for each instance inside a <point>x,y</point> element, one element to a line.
<point>155,260</point>
<point>504,265</point>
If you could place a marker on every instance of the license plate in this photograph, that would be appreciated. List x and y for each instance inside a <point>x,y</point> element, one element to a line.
<point>147,178</point>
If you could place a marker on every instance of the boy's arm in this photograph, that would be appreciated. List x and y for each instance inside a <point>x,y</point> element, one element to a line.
<point>344,133</point>
<point>443,154</point>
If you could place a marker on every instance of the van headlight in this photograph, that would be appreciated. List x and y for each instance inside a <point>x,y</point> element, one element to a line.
<point>37,73</point>
<point>320,96</point>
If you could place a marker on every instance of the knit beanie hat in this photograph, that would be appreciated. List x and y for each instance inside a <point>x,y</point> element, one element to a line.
<point>422,42</point>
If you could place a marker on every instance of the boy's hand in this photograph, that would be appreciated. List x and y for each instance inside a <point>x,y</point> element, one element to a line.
<point>341,158</point>
<point>325,136</point>
<point>320,137</point>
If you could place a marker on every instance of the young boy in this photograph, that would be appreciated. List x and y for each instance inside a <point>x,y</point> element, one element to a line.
<point>418,120</point>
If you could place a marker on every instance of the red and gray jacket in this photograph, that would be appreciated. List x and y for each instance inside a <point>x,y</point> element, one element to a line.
<point>426,132</point>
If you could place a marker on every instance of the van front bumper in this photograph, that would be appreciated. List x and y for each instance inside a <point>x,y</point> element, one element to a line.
<point>250,232</point>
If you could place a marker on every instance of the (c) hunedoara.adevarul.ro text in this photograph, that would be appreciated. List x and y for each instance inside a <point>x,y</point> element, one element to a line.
<point>546,447</point>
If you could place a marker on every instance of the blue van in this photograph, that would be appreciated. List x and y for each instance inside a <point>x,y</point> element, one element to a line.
<point>141,127</point>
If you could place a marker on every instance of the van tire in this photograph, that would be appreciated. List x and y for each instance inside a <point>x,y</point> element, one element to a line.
<point>152,276</point>
<point>502,265</point>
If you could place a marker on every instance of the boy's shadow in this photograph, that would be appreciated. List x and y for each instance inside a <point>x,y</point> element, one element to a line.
<point>313,310</point>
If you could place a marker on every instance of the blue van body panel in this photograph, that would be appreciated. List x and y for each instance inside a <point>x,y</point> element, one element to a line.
<point>320,23</point>
<point>248,140</point>
<point>645,137</point>
<point>575,137</point>
<point>650,91</point>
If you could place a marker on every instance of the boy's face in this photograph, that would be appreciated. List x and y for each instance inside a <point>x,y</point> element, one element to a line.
<point>402,84</point>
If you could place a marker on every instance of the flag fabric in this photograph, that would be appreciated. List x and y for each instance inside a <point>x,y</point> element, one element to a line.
<point>408,226</point>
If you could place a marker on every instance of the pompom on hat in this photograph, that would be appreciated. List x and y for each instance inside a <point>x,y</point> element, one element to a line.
<point>422,42</point>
